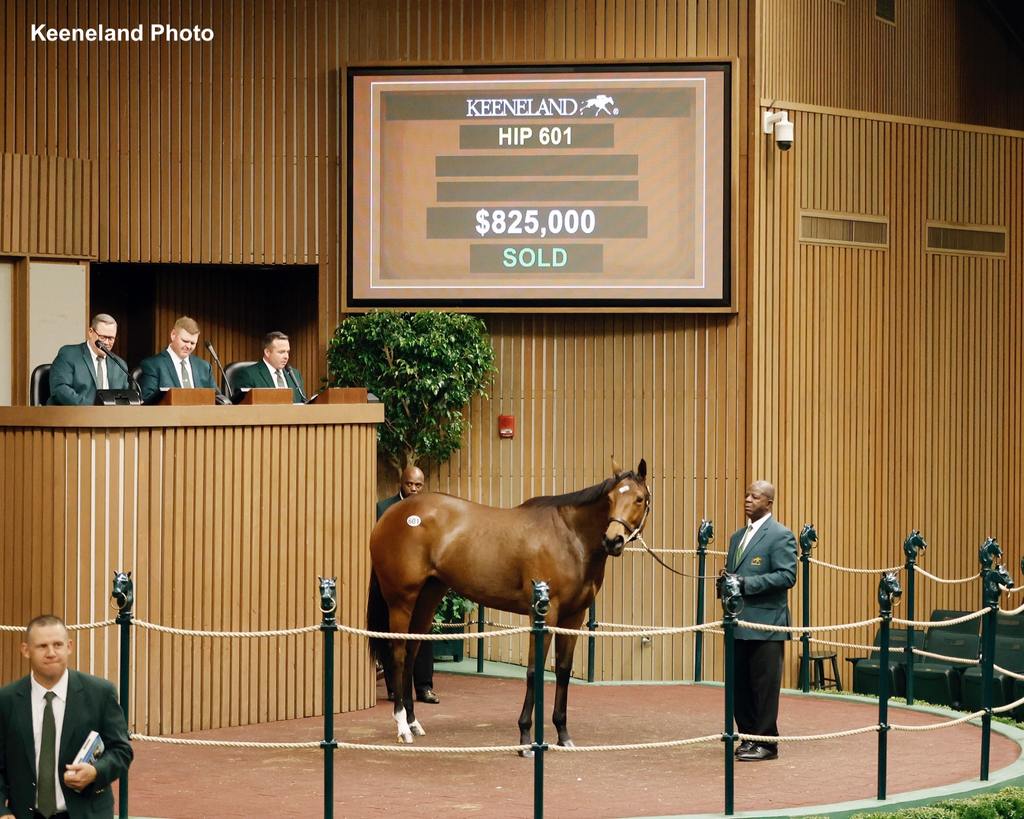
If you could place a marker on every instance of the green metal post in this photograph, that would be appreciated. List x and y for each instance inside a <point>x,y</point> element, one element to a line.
<point>591,641</point>
<point>732,603</point>
<point>541,604</point>
<point>124,595</point>
<point>705,531</point>
<point>808,537</point>
<point>328,626</point>
<point>480,621</point>
<point>913,543</point>
<point>888,590</point>
<point>992,580</point>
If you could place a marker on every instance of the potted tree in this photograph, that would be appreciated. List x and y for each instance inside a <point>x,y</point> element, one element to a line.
<point>425,367</point>
<point>450,618</point>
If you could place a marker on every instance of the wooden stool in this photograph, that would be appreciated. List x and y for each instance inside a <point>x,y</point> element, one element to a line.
<point>816,671</point>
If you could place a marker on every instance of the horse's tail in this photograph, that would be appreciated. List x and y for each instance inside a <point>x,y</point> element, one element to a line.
<point>378,619</point>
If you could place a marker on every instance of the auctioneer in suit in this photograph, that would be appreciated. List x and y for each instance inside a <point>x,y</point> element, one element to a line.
<point>73,376</point>
<point>258,375</point>
<point>161,372</point>
<point>91,706</point>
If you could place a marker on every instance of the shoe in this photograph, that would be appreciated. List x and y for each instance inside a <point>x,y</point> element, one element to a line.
<point>427,695</point>
<point>744,747</point>
<point>758,753</point>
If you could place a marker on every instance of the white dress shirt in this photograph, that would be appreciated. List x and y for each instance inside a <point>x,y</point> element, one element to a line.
<point>756,524</point>
<point>38,706</point>
<point>105,385</point>
<point>177,366</point>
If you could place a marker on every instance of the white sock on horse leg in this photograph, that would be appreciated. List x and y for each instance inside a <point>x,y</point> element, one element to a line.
<point>404,734</point>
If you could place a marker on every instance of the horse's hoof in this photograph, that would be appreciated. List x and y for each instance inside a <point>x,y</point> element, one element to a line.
<point>405,739</point>
<point>527,754</point>
<point>567,744</point>
<point>417,729</point>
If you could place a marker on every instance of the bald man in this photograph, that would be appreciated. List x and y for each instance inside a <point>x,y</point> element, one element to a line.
<point>423,670</point>
<point>763,556</point>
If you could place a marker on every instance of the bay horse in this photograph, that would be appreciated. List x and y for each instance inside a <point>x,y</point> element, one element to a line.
<point>431,542</point>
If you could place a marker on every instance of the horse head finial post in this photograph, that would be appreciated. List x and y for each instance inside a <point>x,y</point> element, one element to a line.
<point>123,593</point>
<point>994,580</point>
<point>729,591</point>
<point>328,590</point>
<point>913,544</point>
<point>889,591</point>
<point>541,599</point>
<point>988,552</point>
<point>705,534</point>
<point>808,537</point>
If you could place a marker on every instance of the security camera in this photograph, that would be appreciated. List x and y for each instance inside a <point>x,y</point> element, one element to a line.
<point>778,122</point>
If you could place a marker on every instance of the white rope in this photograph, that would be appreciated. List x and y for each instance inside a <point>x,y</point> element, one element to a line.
<point>627,625</point>
<point>842,645</point>
<point>77,627</point>
<point>852,571</point>
<point>937,579</point>
<point>638,746</point>
<point>188,632</point>
<point>645,632</point>
<point>936,725</point>
<point>802,629</point>
<point>1007,672</point>
<point>1002,709</point>
<point>401,635</point>
<point>926,624</point>
<point>946,658</point>
<point>1013,612</point>
<point>867,729</point>
<point>348,746</point>
<point>674,551</point>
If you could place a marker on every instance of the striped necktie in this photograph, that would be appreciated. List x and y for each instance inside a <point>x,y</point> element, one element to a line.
<point>744,542</point>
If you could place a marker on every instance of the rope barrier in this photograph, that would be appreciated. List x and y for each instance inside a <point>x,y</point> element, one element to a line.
<point>945,657</point>
<point>190,632</point>
<point>675,551</point>
<point>926,624</point>
<point>867,729</point>
<point>1002,709</point>
<point>317,745</point>
<point>78,627</point>
<point>627,625</point>
<point>808,629</point>
<point>843,645</point>
<point>401,635</point>
<point>937,579</point>
<point>639,746</point>
<point>853,571</point>
<point>647,631</point>
<point>1012,612</point>
<point>1007,672</point>
<point>936,725</point>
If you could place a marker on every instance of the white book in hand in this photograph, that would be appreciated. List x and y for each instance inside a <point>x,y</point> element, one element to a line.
<point>91,750</point>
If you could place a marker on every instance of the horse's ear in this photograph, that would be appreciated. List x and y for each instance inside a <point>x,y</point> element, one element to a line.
<point>641,470</point>
<point>616,469</point>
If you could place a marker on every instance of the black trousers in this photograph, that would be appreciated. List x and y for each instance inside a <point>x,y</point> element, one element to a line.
<point>422,669</point>
<point>758,680</point>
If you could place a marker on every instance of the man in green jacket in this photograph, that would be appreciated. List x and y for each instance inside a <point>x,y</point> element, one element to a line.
<point>763,556</point>
<point>45,718</point>
<point>273,370</point>
<point>80,369</point>
<point>423,670</point>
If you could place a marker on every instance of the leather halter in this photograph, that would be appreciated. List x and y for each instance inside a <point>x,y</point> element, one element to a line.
<point>633,535</point>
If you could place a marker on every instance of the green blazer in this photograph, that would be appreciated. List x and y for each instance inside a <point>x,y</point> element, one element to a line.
<point>387,503</point>
<point>258,375</point>
<point>73,379</point>
<point>91,706</point>
<point>159,371</point>
<point>768,569</point>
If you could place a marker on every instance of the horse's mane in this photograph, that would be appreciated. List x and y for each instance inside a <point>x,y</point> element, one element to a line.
<point>582,497</point>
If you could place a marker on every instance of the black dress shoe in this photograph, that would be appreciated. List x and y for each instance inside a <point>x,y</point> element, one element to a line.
<point>758,753</point>
<point>427,695</point>
<point>743,747</point>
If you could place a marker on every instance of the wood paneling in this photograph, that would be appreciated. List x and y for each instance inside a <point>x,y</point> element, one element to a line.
<point>888,386</point>
<point>225,522</point>
<point>47,206</point>
<point>942,60</point>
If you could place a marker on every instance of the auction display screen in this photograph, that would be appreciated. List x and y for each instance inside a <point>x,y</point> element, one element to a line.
<point>592,186</point>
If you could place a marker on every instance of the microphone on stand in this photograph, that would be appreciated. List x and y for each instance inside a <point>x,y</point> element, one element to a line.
<point>105,348</point>
<point>227,381</point>
<point>295,381</point>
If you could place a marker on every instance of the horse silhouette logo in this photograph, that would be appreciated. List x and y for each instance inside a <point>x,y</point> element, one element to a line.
<point>600,103</point>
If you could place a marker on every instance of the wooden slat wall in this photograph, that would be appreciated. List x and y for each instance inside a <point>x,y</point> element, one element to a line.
<point>943,60</point>
<point>47,206</point>
<point>224,528</point>
<point>889,386</point>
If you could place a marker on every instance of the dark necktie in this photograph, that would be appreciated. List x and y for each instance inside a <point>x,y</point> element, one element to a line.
<point>280,380</point>
<point>46,788</point>
<point>185,380</point>
<point>742,547</point>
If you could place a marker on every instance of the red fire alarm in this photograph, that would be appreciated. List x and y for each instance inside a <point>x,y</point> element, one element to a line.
<point>506,426</point>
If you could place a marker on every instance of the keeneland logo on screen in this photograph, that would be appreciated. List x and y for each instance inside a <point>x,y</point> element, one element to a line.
<point>541,106</point>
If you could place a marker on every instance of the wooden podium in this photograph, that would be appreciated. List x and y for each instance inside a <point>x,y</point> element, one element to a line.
<point>268,395</point>
<point>193,397</point>
<point>340,395</point>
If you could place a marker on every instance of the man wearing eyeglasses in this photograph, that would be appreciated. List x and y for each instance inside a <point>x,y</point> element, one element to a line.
<point>81,369</point>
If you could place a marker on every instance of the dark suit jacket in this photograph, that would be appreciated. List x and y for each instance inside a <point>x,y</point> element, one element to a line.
<point>259,376</point>
<point>160,371</point>
<point>91,706</point>
<point>768,569</point>
<point>387,503</point>
<point>73,379</point>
